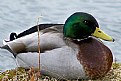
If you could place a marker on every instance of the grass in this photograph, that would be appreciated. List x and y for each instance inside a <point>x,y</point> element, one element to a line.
<point>21,74</point>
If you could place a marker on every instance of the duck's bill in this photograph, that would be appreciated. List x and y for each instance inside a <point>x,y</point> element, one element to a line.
<point>100,34</point>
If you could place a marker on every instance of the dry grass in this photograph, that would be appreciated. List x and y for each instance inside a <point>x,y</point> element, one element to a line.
<point>32,74</point>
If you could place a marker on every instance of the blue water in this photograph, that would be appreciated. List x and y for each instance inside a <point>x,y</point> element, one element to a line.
<point>19,15</point>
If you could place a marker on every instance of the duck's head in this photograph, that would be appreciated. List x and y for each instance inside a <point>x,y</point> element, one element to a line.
<point>80,25</point>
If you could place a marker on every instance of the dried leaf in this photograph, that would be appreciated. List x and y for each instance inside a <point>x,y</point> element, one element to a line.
<point>32,78</point>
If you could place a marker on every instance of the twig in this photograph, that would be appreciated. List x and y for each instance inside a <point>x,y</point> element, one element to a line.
<point>38,42</point>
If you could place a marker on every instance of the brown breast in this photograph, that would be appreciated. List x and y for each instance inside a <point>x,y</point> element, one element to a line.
<point>95,57</point>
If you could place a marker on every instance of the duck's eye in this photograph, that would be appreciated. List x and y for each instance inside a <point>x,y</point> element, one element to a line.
<point>86,22</point>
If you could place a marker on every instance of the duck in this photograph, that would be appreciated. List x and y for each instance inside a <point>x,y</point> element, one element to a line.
<point>69,51</point>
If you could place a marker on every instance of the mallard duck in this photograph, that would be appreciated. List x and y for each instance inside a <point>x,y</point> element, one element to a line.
<point>68,51</point>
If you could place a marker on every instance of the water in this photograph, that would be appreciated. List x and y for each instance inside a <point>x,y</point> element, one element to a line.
<point>19,15</point>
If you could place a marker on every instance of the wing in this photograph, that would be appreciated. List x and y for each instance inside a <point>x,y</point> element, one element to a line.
<point>34,29</point>
<point>50,38</point>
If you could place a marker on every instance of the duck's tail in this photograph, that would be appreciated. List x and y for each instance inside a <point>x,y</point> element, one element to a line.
<point>5,46</point>
<point>13,36</point>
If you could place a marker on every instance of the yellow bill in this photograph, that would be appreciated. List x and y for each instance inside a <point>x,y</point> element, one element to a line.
<point>100,34</point>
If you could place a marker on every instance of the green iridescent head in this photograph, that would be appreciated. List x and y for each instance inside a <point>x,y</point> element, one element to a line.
<point>80,25</point>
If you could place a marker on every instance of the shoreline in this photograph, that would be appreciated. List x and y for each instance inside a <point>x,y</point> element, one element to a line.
<point>25,75</point>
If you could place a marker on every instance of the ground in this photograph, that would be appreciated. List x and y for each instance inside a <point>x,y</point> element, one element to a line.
<point>21,74</point>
